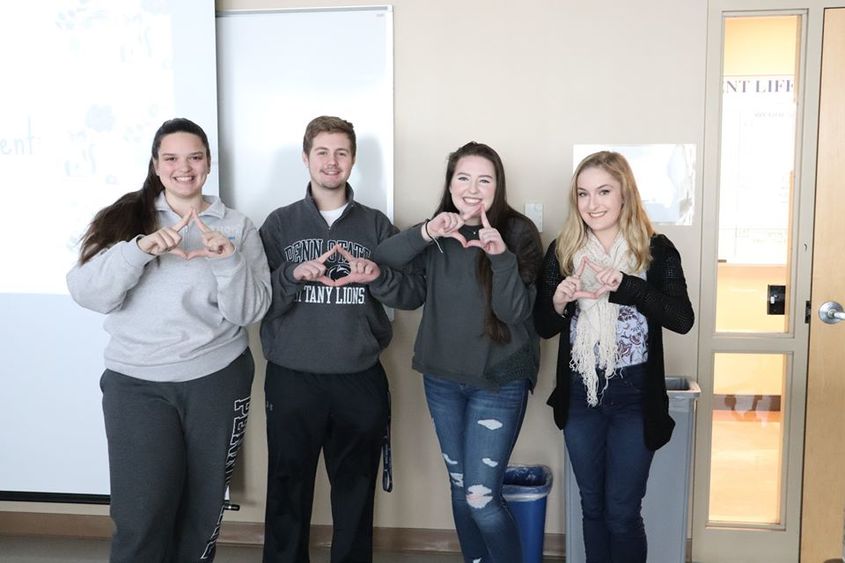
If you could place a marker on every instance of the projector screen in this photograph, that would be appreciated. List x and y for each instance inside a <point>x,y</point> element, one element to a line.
<point>86,83</point>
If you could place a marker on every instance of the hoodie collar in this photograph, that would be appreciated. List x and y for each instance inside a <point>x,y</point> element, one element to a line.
<point>350,198</point>
<point>215,206</point>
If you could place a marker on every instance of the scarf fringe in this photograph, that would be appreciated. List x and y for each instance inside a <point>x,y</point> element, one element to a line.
<point>597,318</point>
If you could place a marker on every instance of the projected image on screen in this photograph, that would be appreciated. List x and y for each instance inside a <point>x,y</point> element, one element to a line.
<point>86,83</point>
<point>75,124</point>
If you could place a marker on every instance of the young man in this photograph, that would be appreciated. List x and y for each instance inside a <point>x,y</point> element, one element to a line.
<point>325,387</point>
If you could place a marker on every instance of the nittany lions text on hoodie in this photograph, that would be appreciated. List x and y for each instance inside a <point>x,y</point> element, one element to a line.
<point>313,327</point>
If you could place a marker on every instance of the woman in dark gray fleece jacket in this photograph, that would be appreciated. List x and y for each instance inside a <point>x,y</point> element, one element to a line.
<point>476,346</point>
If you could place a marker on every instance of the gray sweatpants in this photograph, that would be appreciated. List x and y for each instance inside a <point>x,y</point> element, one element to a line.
<point>172,450</point>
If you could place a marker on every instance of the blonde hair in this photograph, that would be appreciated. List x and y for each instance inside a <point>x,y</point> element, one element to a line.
<point>633,220</point>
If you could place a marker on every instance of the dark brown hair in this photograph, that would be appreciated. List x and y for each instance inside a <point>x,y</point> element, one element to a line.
<point>134,213</point>
<point>503,218</point>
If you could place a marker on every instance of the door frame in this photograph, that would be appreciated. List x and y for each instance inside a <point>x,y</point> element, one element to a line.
<point>758,543</point>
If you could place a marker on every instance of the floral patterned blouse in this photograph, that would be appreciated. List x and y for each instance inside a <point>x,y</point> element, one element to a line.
<point>631,335</point>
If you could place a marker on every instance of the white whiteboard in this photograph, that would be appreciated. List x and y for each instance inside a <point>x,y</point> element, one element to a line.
<point>86,85</point>
<point>280,69</point>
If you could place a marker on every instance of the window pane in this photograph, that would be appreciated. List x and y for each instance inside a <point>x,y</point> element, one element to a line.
<point>747,444</point>
<point>757,161</point>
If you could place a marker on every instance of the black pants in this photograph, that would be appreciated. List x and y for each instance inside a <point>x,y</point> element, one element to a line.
<point>345,415</point>
<point>172,450</point>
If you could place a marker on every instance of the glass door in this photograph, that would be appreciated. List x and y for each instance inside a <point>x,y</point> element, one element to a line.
<point>755,279</point>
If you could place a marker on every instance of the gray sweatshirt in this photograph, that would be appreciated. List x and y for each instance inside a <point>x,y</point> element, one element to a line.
<point>451,342</point>
<point>315,328</point>
<point>172,319</point>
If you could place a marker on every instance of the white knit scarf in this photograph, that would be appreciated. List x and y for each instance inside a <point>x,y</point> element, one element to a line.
<point>597,318</point>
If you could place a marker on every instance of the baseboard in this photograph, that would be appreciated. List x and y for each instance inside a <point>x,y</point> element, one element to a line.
<point>39,524</point>
<point>244,533</point>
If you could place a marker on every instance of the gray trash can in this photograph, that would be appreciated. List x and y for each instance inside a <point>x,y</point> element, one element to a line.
<point>666,503</point>
<point>525,490</point>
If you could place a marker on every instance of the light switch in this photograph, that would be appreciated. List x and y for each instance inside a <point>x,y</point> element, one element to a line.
<point>534,211</point>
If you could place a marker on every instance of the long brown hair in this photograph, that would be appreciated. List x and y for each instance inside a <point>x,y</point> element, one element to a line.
<point>134,213</point>
<point>634,223</point>
<point>502,217</point>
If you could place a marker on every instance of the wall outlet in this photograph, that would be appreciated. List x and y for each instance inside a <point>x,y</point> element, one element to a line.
<point>534,211</point>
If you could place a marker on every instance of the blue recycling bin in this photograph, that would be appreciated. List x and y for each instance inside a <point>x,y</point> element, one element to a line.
<point>525,490</point>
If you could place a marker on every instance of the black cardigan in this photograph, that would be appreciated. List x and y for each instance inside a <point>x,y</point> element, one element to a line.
<point>661,297</point>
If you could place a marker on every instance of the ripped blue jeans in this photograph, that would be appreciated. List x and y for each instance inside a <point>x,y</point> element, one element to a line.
<point>477,429</point>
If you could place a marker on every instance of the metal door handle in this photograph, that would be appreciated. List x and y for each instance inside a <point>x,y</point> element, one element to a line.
<point>831,312</point>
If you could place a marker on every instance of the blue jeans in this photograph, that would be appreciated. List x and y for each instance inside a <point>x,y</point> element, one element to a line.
<point>611,462</point>
<point>477,429</point>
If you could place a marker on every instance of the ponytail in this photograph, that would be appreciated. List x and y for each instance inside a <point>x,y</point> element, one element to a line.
<point>134,213</point>
<point>131,215</point>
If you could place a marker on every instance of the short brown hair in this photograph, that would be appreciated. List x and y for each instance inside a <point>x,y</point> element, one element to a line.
<point>328,124</point>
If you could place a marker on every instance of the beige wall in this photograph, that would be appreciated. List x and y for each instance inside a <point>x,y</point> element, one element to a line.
<point>531,78</point>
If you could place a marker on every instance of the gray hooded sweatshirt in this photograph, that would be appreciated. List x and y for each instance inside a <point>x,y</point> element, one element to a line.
<point>172,319</point>
<point>316,328</point>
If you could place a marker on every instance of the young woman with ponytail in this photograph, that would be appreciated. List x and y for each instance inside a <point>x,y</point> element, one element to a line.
<point>179,276</point>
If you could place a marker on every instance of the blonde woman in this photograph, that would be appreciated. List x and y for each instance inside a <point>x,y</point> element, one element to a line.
<point>609,286</point>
